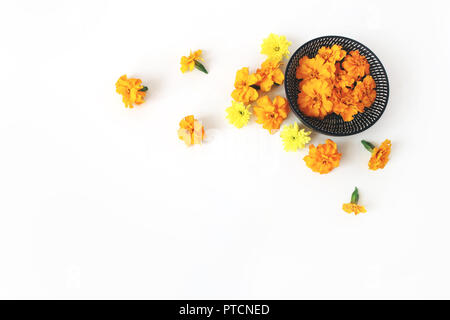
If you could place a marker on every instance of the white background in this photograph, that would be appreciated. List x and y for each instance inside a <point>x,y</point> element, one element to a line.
<point>99,201</point>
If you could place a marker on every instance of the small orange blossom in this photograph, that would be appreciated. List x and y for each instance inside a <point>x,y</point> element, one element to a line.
<point>244,92</point>
<point>132,91</point>
<point>380,155</point>
<point>353,206</point>
<point>271,114</point>
<point>189,62</point>
<point>356,65</point>
<point>323,158</point>
<point>269,74</point>
<point>314,100</point>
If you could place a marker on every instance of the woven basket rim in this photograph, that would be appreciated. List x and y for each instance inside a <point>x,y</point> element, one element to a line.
<point>302,117</point>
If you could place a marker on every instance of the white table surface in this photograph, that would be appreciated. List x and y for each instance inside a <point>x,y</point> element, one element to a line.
<point>99,201</point>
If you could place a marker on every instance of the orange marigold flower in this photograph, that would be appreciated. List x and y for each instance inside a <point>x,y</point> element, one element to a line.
<point>333,54</point>
<point>380,155</point>
<point>191,131</point>
<point>329,85</point>
<point>244,92</point>
<point>342,78</point>
<point>132,91</point>
<point>353,208</point>
<point>323,158</point>
<point>356,65</point>
<point>188,63</point>
<point>271,114</point>
<point>365,91</point>
<point>314,68</point>
<point>313,100</point>
<point>344,103</point>
<point>269,74</point>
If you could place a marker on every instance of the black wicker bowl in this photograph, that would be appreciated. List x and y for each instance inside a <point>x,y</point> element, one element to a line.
<point>333,124</point>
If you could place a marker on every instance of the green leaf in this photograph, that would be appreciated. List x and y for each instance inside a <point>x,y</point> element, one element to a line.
<point>255,86</point>
<point>200,67</point>
<point>355,196</point>
<point>144,89</point>
<point>367,145</point>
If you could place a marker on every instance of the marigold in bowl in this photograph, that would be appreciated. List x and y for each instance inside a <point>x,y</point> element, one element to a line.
<point>342,78</point>
<point>356,65</point>
<point>333,81</point>
<point>344,103</point>
<point>314,68</point>
<point>333,54</point>
<point>365,92</point>
<point>314,99</point>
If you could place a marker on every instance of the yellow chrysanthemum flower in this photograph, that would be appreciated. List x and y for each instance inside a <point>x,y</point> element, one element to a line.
<point>294,138</point>
<point>275,47</point>
<point>238,114</point>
